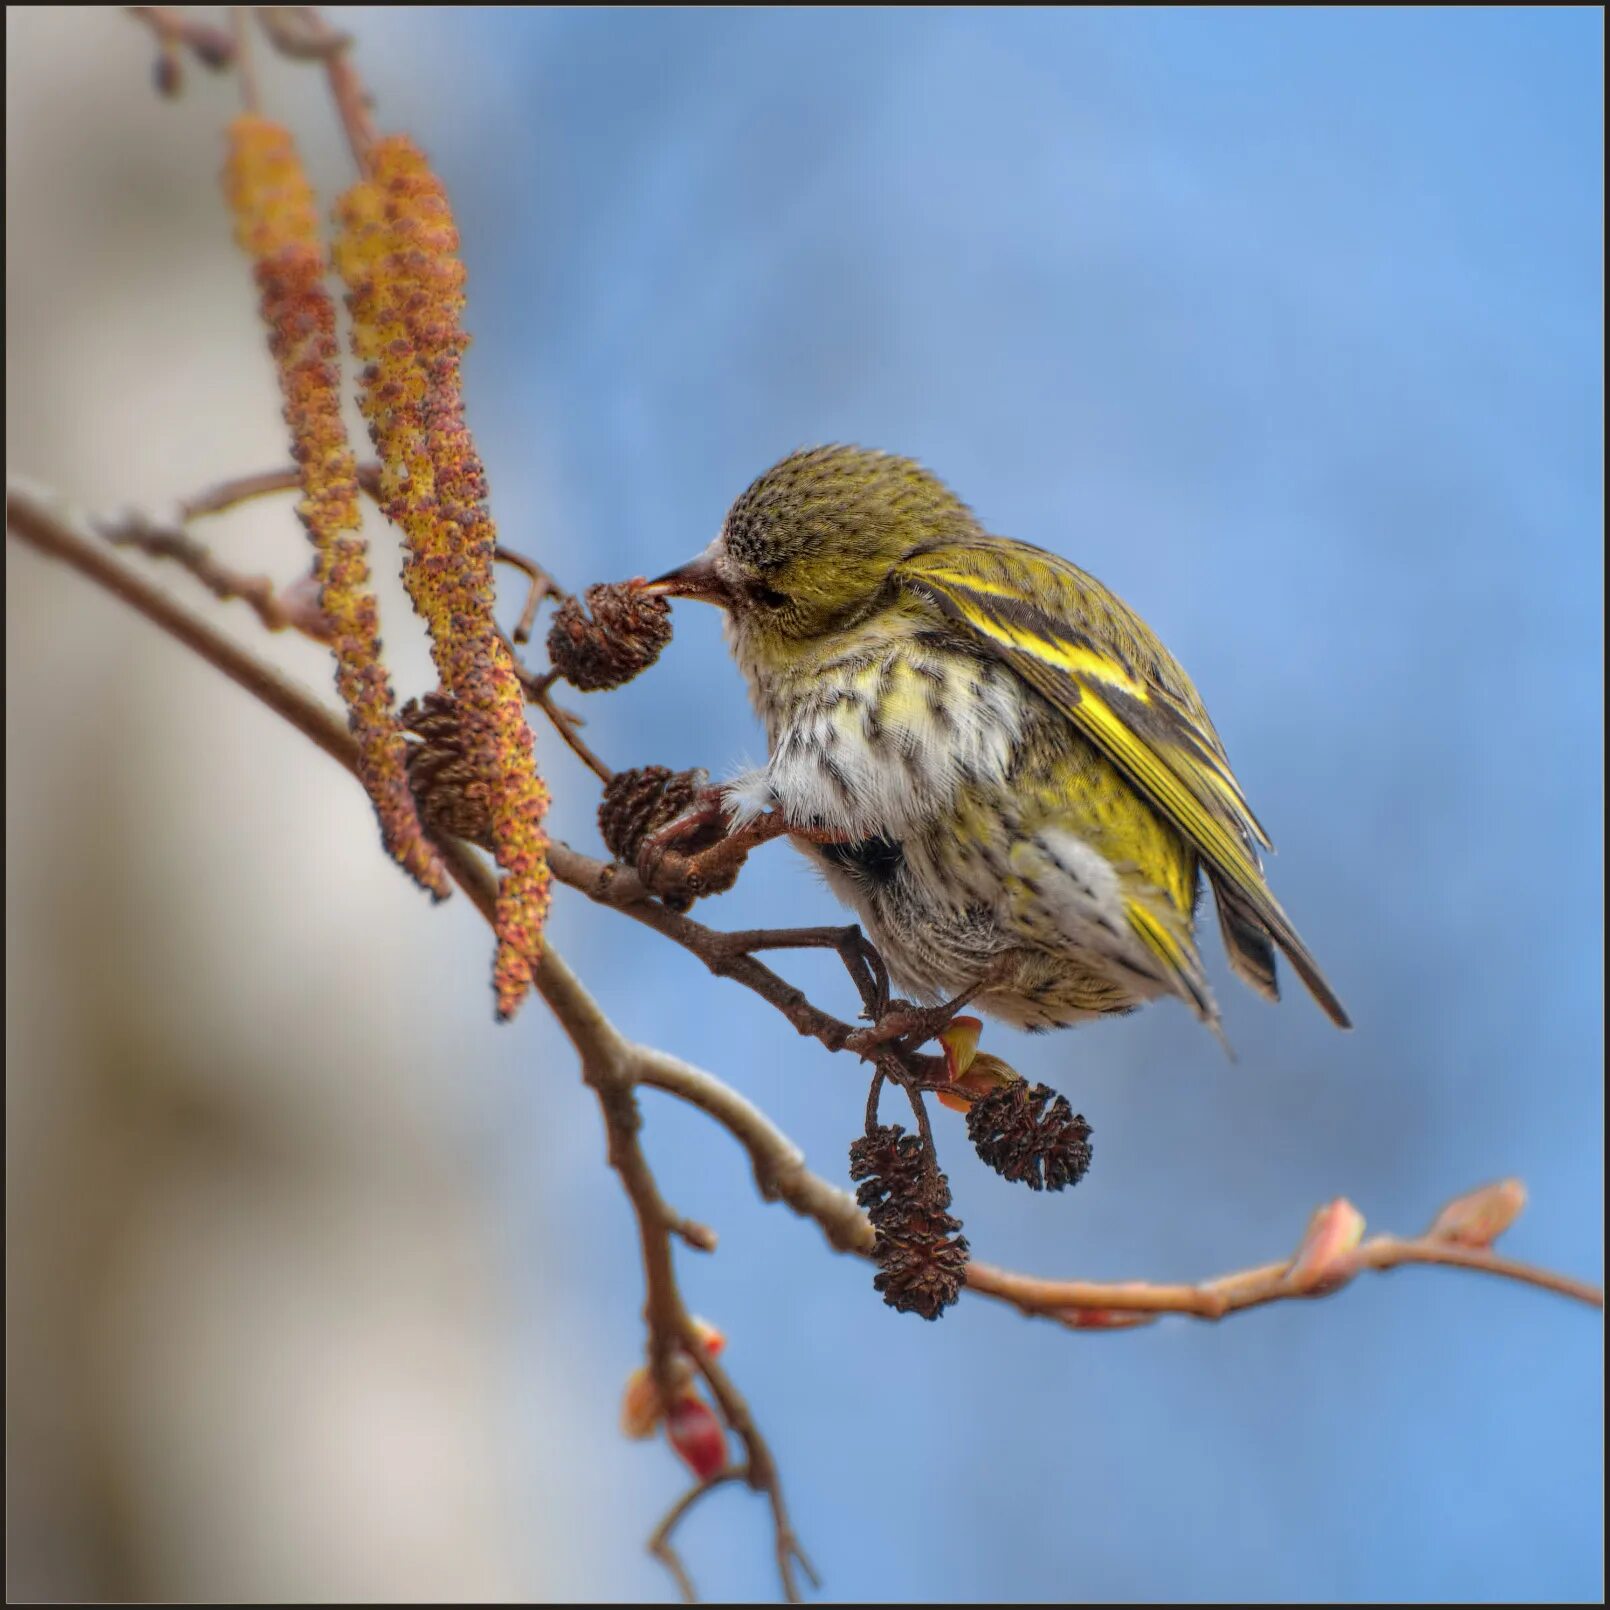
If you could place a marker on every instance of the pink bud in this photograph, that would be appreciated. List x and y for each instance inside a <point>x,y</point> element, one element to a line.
<point>697,1435</point>
<point>1479,1217</point>
<point>1322,1261</point>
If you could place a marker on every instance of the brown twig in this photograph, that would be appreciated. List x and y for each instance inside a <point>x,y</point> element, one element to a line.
<point>609,1062</point>
<point>659,1542</point>
<point>174,25</point>
<point>731,955</point>
<point>782,1176</point>
<point>861,960</point>
<point>166,542</point>
<point>611,884</point>
<point>542,586</point>
<point>251,95</point>
<point>223,495</point>
<point>46,523</point>
<point>1076,1301</point>
<point>301,34</point>
<point>295,607</point>
<point>538,691</point>
<point>760,1472</point>
<point>698,1236</point>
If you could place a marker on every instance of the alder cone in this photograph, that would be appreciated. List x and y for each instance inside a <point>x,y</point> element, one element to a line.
<point>625,634</point>
<point>921,1257</point>
<point>441,775</point>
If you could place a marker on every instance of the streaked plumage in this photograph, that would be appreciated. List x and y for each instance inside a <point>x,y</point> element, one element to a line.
<point>1016,764</point>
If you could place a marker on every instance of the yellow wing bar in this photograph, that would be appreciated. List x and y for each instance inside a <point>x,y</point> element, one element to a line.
<point>1052,624</point>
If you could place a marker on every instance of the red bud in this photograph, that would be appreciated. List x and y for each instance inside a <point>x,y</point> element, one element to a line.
<point>697,1435</point>
<point>1105,1318</point>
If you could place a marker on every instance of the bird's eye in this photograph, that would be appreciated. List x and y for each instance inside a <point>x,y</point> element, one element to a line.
<point>768,596</point>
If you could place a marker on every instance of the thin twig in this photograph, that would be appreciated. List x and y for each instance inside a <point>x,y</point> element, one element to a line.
<point>779,1167</point>
<point>542,586</point>
<point>659,1542</point>
<point>299,33</point>
<point>610,1067</point>
<point>564,722</point>
<point>175,27</point>
<point>229,494</point>
<point>1255,1287</point>
<point>861,960</point>
<point>295,607</point>
<point>239,489</point>
<point>609,1064</point>
<point>611,884</point>
<point>42,520</point>
<point>251,96</point>
<point>761,1474</point>
<point>698,1236</point>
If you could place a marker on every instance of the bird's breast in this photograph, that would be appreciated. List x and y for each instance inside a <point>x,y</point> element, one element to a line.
<point>874,745</point>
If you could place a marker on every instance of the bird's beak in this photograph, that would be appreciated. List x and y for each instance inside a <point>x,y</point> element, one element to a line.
<point>698,578</point>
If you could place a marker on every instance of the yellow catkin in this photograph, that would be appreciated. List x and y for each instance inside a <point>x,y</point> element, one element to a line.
<point>276,221</point>
<point>398,253</point>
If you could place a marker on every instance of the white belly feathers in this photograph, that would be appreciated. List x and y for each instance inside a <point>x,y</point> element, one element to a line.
<point>880,746</point>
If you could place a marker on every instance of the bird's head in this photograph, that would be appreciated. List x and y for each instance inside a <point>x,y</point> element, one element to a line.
<point>809,549</point>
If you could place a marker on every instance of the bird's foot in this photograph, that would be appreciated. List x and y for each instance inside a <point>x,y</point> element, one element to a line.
<point>701,853</point>
<point>693,854</point>
<point>903,1027</point>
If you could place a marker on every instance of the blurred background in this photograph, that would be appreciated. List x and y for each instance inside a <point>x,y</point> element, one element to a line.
<point>1287,325</point>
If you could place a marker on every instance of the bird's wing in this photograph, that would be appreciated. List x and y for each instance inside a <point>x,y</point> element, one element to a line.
<point>1087,653</point>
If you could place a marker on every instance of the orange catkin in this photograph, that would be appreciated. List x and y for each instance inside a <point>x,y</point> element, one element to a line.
<point>276,221</point>
<point>397,251</point>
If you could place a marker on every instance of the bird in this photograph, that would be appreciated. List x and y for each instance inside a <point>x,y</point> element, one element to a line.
<point>989,755</point>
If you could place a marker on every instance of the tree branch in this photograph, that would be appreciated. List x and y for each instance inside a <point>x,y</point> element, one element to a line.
<point>609,1062</point>
<point>45,521</point>
<point>296,606</point>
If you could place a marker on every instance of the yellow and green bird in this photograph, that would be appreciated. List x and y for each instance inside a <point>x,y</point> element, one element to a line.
<point>1024,785</point>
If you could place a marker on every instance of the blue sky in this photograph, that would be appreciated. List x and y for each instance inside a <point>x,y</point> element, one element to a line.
<point>1287,325</point>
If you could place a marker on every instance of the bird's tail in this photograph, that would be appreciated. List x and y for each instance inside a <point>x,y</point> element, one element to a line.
<point>1250,943</point>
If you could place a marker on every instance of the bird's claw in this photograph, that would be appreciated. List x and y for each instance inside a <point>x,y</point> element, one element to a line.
<point>689,855</point>
<point>905,1027</point>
